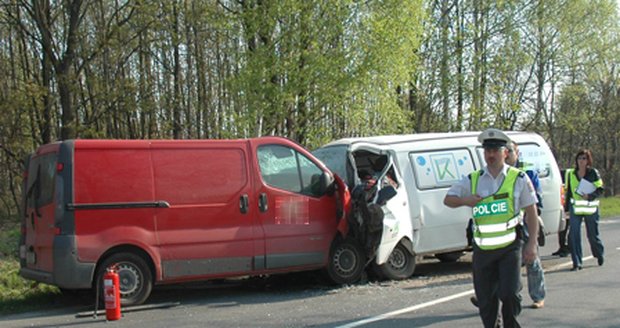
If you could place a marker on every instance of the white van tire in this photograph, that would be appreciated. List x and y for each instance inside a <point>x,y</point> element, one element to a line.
<point>346,262</point>
<point>449,257</point>
<point>136,278</point>
<point>400,265</point>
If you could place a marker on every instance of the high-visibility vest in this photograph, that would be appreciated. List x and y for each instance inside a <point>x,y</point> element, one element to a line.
<point>581,206</point>
<point>495,217</point>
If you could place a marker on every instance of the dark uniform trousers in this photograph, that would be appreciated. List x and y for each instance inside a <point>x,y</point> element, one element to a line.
<point>497,277</point>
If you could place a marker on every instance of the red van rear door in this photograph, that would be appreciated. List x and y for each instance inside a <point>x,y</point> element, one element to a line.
<point>40,205</point>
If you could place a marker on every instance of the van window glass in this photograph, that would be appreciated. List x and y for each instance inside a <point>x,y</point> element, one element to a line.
<point>41,177</point>
<point>442,168</point>
<point>532,157</point>
<point>335,158</point>
<point>286,169</point>
<point>310,176</point>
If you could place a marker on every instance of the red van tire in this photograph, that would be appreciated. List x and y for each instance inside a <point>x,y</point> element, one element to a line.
<point>400,265</point>
<point>78,295</point>
<point>346,262</point>
<point>136,278</point>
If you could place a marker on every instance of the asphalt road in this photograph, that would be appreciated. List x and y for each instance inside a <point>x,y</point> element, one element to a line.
<point>437,296</point>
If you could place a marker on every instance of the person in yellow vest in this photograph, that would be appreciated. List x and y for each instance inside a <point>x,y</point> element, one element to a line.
<point>497,194</point>
<point>582,203</point>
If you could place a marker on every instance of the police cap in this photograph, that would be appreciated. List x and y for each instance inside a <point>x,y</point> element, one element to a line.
<point>493,138</point>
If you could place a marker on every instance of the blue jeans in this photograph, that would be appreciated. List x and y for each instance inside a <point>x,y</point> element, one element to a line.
<point>574,236</point>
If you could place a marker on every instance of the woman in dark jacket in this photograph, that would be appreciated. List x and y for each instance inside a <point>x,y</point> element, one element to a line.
<point>583,205</point>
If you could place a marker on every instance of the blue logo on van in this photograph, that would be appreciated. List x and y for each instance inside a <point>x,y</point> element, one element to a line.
<point>421,160</point>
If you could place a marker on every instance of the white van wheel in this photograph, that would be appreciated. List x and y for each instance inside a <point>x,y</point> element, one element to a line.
<point>449,257</point>
<point>400,265</point>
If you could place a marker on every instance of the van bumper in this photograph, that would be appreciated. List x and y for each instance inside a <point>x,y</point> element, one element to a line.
<point>68,272</point>
<point>36,275</point>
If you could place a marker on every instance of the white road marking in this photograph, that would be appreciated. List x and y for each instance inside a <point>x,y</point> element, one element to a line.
<point>406,310</point>
<point>437,301</point>
<point>567,264</point>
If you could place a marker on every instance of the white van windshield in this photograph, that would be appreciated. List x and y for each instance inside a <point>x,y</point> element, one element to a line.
<point>335,158</point>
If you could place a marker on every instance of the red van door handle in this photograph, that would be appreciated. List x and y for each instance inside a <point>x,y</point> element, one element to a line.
<point>262,202</point>
<point>243,204</point>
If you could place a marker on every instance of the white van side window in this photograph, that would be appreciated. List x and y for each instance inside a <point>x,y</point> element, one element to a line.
<point>441,168</point>
<point>532,157</point>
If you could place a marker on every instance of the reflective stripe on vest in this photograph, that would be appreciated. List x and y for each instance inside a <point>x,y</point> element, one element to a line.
<point>495,217</point>
<point>584,207</point>
<point>489,243</point>
<point>580,205</point>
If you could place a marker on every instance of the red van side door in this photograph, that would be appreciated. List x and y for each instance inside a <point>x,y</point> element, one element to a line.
<point>208,230</point>
<point>298,223</point>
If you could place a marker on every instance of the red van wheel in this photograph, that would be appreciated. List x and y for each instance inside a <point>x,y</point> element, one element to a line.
<point>136,279</point>
<point>346,262</point>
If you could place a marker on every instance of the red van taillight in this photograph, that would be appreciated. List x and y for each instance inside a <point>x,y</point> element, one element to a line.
<point>59,167</point>
<point>562,194</point>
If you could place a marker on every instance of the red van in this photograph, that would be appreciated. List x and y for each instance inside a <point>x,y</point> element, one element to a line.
<point>167,211</point>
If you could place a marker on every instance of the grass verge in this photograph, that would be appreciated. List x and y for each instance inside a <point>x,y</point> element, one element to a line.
<point>610,207</point>
<point>16,293</point>
<point>20,295</point>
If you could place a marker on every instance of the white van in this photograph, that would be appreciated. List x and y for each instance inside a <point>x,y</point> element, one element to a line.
<point>422,167</point>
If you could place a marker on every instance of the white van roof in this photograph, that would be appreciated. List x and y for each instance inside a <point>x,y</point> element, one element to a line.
<point>407,138</point>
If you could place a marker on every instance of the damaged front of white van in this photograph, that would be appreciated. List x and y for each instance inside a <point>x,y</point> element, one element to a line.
<point>380,218</point>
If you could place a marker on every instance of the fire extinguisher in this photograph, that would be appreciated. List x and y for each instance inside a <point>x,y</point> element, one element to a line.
<point>112,294</point>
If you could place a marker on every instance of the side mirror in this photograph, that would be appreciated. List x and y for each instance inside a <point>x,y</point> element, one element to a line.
<point>322,184</point>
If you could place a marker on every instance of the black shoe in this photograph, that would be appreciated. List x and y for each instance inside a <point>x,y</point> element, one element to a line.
<point>562,252</point>
<point>601,260</point>
<point>474,301</point>
<point>575,268</point>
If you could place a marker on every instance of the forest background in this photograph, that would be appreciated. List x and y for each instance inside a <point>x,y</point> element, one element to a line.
<point>312,71</point>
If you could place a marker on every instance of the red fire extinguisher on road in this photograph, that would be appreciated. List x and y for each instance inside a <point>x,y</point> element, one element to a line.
<point>112,294</point>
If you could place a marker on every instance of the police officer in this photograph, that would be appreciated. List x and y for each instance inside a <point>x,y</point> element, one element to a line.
<point>583,207</point>
<point>496,195</point>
